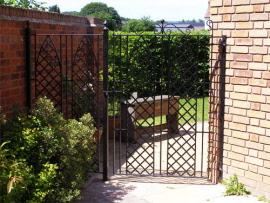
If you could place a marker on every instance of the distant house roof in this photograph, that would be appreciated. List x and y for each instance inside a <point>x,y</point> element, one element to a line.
<point>207,14</point>
<point>175,26</point>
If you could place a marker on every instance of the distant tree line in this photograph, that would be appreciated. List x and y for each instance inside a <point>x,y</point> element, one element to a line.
<point>99,10</point>
<point>192,21</point>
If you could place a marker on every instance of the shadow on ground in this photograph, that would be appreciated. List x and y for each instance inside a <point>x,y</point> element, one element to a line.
<point>101,192</point>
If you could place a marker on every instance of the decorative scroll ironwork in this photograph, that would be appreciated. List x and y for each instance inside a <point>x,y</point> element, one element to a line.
<point>167,29</point>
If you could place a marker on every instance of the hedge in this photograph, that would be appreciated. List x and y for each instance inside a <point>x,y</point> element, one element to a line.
<point>176,63</point>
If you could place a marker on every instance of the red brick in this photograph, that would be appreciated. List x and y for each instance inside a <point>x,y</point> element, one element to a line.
<point>215,3</point>
<point>240,33</point>
<point>226,18</point>
<point>244,25</point>
<point>239,81</point>
<point>258,33</point>
<point>238,127</point>
<point>257,58</point>
<point>257,66</point>
<point>241,104</point>
<point>240,2</point>
<point>238,111</point>
<point>256,90</point>
<point>243,57</point>
<point>244,73</point>
<point>240,17</point>
<point>239,65</point>
<point>254,176</point>
<point>241,119</point>
<point>259,16</point>
<point>254,145</point>
<point>256,114</point>
<point>239,49</point>
<point>226,10</point>
<point>259,1</point>
<point>266,108</point>
<point>259,8</point>
<point>257,82</point>
<point>236,156</point>
<point>227,2</point>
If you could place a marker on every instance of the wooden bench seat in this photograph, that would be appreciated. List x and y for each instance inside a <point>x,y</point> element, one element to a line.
<point>144,108</point>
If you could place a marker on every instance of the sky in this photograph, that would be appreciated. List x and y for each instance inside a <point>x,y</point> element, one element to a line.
<point>169,10</point>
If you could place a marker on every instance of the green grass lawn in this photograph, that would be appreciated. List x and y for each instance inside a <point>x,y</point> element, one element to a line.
<point>190,111</point>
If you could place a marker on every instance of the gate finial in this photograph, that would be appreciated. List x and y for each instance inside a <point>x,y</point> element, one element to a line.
<point>162,25</point>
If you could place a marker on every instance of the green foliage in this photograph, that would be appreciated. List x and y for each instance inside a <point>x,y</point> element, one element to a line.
<point>263,199</point>
<point>234,187</point>
<point>32,4</point>
<point>54,8</point>
<point>101,10</point>
<point>47,156</point>
<point>75,13</point>
<point>191,21</point>
<point>142,59</point>
<point>134,25</point>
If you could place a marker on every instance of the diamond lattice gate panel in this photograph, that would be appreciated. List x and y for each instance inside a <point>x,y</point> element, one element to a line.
<point>158,103</point>
<point>67,69</point>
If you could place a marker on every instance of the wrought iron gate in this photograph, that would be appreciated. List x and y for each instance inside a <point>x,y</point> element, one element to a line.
<point>155,88</point>
<point>158,103</point>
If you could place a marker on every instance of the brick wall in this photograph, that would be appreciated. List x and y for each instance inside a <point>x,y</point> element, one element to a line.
<point>12,47</point>
<point>247,98</point>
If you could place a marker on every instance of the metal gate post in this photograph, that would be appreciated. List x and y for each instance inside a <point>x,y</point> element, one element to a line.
<point>27,32</point>
<point>105,103</point>
<point>222,103</point>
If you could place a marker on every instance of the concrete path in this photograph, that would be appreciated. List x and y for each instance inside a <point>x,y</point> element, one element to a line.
<point>145,190</point>
<point>148,189</point>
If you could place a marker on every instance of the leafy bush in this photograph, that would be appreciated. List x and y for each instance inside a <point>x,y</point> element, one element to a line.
<point>145,62</point>
<point>48,156</point>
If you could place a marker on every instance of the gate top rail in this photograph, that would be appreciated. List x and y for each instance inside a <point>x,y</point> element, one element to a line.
<point>66,34</point>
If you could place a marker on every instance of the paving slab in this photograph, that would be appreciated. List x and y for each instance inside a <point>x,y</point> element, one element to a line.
<point>145,190</point>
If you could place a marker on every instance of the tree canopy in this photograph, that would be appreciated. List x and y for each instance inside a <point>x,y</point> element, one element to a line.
<point>101,10</point>
<point>144,24</point>
<point>24,4</point>
<point>54,8</point>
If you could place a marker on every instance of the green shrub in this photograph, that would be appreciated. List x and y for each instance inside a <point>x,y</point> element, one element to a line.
<point>51,155</point>
<point>234,187</point>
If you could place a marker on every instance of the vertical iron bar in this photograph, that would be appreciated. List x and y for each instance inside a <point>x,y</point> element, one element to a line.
<point>61,76</point>
<point>66,77</point>
<point>105,104</point>
<point>35,51</point>
<point>126,97</point>
<point>71,77</point>
<point>222,103</point>
<point>28,64</point>
<point>196,102</point>
<point>99,102</point>
<point>211,95</point>
<point>161,105</point>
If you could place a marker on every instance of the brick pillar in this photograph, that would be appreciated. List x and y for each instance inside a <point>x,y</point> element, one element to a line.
<point>247,104</point>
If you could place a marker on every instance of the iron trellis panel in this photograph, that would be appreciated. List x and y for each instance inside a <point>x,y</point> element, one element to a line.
<point>67,70</point>
<point>159,88</point>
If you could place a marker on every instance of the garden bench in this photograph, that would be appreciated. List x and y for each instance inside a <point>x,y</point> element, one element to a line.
<point>133,110</point>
